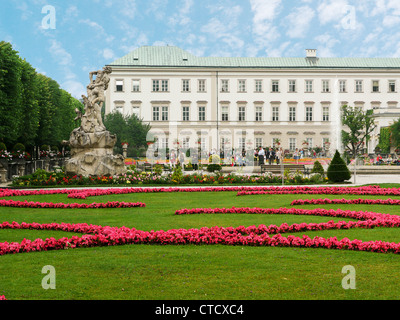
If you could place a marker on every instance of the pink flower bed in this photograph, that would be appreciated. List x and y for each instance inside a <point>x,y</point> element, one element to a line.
<point>252,236</point>
<point>346,201</point>
<point>32,204</point>
<point>262,235</point>
<point>370,190</point>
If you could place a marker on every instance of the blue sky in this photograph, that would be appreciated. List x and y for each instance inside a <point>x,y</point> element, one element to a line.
<point>89,34</point>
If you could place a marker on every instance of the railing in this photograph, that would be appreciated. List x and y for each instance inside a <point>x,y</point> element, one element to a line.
<point>9,169</point>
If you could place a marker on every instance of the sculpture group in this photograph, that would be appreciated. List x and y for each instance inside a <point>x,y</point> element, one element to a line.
<point>91,144</point>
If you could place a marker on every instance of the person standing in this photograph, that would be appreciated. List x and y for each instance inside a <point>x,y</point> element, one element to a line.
<point>271,156</point>
<point>296,156</point>
<point>279,154</point>
<point>261,154</point>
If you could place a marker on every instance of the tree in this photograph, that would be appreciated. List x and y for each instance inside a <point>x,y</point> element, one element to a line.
<point>337,170</point>
<point>318,168</point>
<point>34,110</point>
<point>360,125</point>
<point>128,129</point>
<point>384,140</point>
<point>10,94</point>
<point>395,134</point>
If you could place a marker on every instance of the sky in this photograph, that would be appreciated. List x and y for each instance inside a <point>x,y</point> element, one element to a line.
<point>66,39</point>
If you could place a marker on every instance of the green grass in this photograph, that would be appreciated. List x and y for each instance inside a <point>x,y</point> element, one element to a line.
<point>194,272</point>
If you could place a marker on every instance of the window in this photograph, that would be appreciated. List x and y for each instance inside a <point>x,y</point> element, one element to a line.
<point>164,113</point>
<point>201,85</point>
<point>375,86</point>
<point>202,113</point>
<point>275,86</point>
<point>392,86</point>
<point>186,143</point>
<point>241,143</point>
<point>309,113</point>
<point>309,86</point>
<point>136,111</point>
<point>135,85</point>
<point>292,85</point>
<point>156,85</point>
<point>185,85</point>
<point>224,85</point>
<point>203,143</point>
<point>325,113</point>
<point>359,86</point>
<point>156,113</point>
<point>242,86</point>
<point>325,86</point>
<point>242,113</point>
<point>119,87</point>
<point>185,113</point>
<point>225,113</point>
<point>259,142</point>
<point>310,142</point>
<point>164,143</point>
<point>275,113</point>
<point>160,84</point>
<point>292,144</point>
<point>292,113</point>
<point>259,113</point>
<point>258,85</point>
<point>342,85</point>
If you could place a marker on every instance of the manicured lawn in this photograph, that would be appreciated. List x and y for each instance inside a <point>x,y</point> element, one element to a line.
<point>195,271</point>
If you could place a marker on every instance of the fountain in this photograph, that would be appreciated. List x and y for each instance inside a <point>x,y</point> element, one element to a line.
<point>91,144</point>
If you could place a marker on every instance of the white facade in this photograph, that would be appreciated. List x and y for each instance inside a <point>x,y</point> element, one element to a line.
<point>250,106</point>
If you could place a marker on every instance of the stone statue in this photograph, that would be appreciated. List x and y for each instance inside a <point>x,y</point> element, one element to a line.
<point>91,144</point>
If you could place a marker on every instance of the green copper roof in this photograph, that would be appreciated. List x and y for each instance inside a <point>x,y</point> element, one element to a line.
<point>171,56</point>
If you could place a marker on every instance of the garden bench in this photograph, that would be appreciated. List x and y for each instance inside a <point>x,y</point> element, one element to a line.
<point>147,166</point>
<point>167,168</point>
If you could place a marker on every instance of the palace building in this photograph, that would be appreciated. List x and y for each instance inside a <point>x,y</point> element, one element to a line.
<point>249,102</point>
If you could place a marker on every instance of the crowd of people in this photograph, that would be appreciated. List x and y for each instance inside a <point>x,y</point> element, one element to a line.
<point>239,157</point>
<point>391,160</point>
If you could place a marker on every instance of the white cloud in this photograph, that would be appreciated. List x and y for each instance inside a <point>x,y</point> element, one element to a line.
<point>299,21</point>
<point>264,14</point>
<point>326,44</point>
<point>59,54</point>
<point>108,54</point>
<point>331,11</point>
<point>75,88</point>
<point>390,21</point>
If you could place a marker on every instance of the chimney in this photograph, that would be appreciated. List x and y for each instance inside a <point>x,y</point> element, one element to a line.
<point>311,53</point>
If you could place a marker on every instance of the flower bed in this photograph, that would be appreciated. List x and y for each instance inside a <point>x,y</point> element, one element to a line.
<point>150,178</point>
<point>251,236</point>
<point>367,190</point>
<point>262,235</point>
<point>346,201</point>
<point>32,204</point>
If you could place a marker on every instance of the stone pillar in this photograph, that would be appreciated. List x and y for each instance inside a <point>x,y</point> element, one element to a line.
<point>125,150</point>
<point>21,169</point>
<point>47,164</point>
<point>3,174</point>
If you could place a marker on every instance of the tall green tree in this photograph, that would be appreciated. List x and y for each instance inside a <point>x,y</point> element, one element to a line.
<point>128,129</point>
<point>359,125</point>
<point>30,105</point>
<point>395,134</point>
<point>10,94</point>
